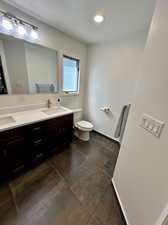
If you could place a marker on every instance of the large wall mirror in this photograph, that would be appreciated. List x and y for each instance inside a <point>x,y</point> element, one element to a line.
<point>26,68</point>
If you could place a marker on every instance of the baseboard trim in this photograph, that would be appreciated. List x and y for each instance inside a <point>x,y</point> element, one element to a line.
<point>119,200</point>
<point>113,139</point>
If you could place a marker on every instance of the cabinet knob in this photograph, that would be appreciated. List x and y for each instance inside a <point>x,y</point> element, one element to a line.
<point>36,128</point>
<point>38,142</point>
<point>39,155</point>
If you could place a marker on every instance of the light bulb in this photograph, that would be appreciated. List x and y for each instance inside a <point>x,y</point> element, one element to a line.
<point>7,23</point>
<point>34,34</point>
<point>21,30</point>
<point>98,18</point>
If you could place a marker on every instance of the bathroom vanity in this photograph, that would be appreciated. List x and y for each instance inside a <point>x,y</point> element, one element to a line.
<point>28,136</point>
<point>27,141</point>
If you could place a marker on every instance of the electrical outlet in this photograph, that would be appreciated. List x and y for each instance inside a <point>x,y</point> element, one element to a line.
<point>152,125</point>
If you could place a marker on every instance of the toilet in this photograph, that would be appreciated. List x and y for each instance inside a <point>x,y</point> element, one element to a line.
<point>83,129</point>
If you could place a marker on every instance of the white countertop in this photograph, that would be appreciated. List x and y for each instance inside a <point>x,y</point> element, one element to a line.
<point>33,116</point>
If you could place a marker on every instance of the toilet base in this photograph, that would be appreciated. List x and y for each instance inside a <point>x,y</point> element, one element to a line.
<point>82,135</point>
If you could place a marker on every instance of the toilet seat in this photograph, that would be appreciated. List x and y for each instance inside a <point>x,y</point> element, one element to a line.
<point>84,125</point>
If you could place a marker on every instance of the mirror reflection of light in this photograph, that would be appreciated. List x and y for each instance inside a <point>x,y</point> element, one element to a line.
<point>7,24</point>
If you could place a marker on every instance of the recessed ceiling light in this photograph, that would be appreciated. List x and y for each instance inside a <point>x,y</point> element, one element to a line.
<point>98,18</point>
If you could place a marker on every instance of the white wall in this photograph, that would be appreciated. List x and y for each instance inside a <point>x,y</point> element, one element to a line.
<point>111,79</point>
<point>52,38</point>
<point>141,174</point>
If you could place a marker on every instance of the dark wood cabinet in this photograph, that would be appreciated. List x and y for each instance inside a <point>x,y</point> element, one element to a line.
<point>15,155</point>
<point>59,132</point>
<point>3,168</point>
<point>12,150</point>
<point>20,147</point>
<point>37,140</point>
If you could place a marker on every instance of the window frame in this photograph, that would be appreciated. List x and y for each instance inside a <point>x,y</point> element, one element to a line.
<point>78,76</point>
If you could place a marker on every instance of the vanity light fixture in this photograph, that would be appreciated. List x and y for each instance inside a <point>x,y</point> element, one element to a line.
<point>7,23</point>
<point>34,34</point>
<point>98,18</point>
<point>21,29</point>
<point>10,24</point>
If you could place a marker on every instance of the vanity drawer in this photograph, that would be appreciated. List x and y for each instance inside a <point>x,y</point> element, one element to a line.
<point>38,149</point>
<point>36,131</point>
<point>15,133</point>
<point>63,121</point>
<point>52,123</point>
<point>36,127</point>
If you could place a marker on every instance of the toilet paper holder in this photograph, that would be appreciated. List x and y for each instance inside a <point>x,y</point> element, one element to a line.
<point>105,109</point>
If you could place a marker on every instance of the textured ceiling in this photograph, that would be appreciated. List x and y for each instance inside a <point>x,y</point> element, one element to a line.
<point>75,17</point>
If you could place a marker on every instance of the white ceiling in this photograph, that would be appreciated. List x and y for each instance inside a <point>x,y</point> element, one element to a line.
<point>75,17</point>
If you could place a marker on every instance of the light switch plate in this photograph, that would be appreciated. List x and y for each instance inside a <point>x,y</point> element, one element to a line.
<point>152,125</point>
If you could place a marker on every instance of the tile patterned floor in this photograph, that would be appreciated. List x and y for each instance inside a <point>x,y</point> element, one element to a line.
<point>71,188</point>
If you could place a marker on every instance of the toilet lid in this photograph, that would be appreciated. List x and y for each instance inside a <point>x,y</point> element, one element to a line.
<point>85,124</point>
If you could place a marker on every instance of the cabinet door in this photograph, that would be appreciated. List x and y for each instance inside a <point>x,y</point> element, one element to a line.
<point>15,152</point>
<point>13,147</point>
<point>3,165</point>
<point>59,132</point>
<point>36,131</point>
<point>66,129</point>
<point>53,134</point>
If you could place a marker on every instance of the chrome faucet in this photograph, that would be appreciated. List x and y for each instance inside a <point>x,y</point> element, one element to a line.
<point>49,103</point>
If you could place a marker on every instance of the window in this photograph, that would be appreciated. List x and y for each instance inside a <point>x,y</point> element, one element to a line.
<point>70,81</point>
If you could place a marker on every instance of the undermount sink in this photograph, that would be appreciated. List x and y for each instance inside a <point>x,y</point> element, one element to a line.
<point>6,120</point>
<point>54,111</point>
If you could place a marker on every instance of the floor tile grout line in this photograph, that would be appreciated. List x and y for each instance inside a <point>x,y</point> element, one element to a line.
<point>93,217</point>
<point>64,179</point>
<point>98,206</point>
<point>83,208</point>
<point>68,186</point>
<point>107,148</point>
<point>13,199</point>
<point>56,170</point>
<point>93,214</point>
<point>113,150</point>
